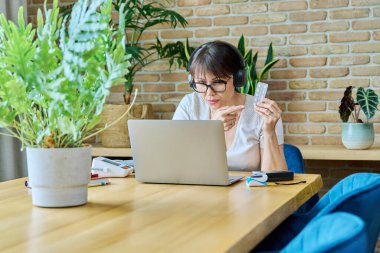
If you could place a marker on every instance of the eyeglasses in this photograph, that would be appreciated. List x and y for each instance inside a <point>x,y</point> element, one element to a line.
<point>216,86</point>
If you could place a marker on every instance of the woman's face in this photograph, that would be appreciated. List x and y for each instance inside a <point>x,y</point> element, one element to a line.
<point>214,98</point>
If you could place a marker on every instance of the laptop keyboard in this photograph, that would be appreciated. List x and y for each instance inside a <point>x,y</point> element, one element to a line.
<point>232,179</point>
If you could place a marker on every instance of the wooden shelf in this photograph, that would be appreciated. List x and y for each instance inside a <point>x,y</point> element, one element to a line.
<point>339,152</point>
<point>309,152</point>
<point>99,150</point>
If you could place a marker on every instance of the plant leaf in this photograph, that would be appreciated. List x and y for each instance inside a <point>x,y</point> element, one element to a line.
<point>368,101</point>
<point>347,105</point>
<point>248,58</point>
<point>266,69</point>
<point>241,45</point>
<point>187,49</point>
<point>252,70</point>
<point>270,55</point>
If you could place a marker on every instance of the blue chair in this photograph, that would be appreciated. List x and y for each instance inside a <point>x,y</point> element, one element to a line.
<point>294,159</point>
<point>358,194</point>
<point>295,163</point>
<point>332,233</point>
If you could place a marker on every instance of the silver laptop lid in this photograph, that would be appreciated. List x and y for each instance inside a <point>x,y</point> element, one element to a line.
<point>179,151</point>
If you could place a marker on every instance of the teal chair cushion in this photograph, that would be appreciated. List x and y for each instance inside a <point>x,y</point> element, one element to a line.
<point>358,194</point>
<point>333,233</point>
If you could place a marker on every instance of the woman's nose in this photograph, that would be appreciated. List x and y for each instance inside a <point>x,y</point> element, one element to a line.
<point>210,91</point>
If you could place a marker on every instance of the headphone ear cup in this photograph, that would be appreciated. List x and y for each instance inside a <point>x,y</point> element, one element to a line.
<point>190,80</point>
<point>240,78</point>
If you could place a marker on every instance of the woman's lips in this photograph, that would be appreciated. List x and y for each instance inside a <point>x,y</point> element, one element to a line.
<point>213,101</point>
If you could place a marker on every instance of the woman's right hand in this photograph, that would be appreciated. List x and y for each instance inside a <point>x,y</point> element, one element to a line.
<point>229,115</point>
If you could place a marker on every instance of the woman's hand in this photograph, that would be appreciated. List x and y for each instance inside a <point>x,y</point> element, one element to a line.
<point>270,112</point>
<point>228,114</point>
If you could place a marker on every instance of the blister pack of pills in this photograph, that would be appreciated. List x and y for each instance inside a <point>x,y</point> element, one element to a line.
<point>260,92</point>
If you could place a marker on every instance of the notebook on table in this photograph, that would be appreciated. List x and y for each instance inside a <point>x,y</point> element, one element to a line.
<point>180,152</point>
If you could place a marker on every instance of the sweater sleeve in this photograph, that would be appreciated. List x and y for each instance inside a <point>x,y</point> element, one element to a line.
<point>183,110</point>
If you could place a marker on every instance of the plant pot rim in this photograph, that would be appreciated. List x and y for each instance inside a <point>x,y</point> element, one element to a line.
<point>357,123</point>
<point>88,146</point>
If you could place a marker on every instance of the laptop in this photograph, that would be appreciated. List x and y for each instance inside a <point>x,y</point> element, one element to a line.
<point>180,152</point>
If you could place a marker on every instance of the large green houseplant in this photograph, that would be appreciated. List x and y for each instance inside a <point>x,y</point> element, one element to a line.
<point>139,16</point>
<point>250,60</point>
<point>54,81</point>
<point>358,134</point>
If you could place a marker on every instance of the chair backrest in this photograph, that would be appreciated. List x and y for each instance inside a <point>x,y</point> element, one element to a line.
<point>295,163</point>
<point>358,194</point>
<point>333,233</point>
<point>294,159</point>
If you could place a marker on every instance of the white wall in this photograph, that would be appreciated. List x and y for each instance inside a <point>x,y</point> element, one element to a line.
<point>10,8</point>
<point>12,160</point>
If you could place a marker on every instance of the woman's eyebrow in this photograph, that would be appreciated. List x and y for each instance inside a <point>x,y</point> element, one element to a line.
<point>218,78</point>
<point>213,79</point>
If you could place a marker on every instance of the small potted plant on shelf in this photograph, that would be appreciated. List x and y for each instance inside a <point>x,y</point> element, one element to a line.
<point>54,81</point>
<point>358,134</point>
<point>253,77</point>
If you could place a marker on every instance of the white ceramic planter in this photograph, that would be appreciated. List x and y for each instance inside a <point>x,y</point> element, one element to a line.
<point>358,135</point>
<point>59,176</point>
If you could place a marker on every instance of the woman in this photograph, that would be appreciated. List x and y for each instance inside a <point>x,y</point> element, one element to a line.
<point>216,69</point>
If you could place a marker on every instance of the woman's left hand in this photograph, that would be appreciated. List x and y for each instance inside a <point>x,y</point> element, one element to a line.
<point>270,113</point>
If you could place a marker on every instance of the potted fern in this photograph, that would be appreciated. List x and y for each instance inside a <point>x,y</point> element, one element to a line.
<point>358,134</point>
<point>139,16</point>
<point>54,81</point>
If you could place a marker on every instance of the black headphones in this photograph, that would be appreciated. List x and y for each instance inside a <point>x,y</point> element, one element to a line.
<point>239,77</point>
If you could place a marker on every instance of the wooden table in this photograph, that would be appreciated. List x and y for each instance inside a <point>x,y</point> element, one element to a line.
<point>309,152</point>
<point>128,216</point>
